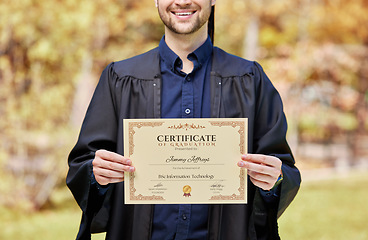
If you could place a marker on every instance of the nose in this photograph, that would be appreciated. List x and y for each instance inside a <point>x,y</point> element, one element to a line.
<point>183,2</point>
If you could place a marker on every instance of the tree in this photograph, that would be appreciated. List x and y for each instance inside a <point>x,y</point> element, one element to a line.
<point>49,49</point>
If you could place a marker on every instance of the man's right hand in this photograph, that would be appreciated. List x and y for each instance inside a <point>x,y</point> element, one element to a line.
<point>109,167</point>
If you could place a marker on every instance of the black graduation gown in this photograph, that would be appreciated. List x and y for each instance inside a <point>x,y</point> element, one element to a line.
<point>131,89</point>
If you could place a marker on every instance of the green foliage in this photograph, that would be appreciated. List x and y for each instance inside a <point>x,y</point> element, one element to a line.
<point>46,47</point>
<point>323,86</point>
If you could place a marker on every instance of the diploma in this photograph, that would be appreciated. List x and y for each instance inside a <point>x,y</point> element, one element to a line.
<point>185,161</point>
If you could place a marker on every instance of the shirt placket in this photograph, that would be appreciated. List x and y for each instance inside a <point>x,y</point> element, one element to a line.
<point>187,97</point>
<point>184,217</point>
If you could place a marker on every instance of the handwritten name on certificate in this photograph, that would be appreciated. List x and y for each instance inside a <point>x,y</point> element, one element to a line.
<point>185,161</point>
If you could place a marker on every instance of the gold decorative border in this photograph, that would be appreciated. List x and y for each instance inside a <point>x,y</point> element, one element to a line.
<point>132,189</point>
<point>242,175</point>
<point>186,126</point>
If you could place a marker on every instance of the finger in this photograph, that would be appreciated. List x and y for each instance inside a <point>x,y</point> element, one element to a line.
<point>263,185</point>
<point>107,173</point>
<point>262,177</point>
<point>100,163</point>
<point>113,157</point>
<point>259,168</point>
<point>262,159</point>
<point>105,180</point>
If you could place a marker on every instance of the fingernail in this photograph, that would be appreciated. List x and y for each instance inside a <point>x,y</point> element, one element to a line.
<point>241,164</point>
<point>131,169</point>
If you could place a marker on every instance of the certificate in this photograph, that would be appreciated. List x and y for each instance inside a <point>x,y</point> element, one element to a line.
<point>185,161</point>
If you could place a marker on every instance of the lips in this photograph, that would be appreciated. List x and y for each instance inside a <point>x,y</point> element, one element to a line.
<point>184,13</point>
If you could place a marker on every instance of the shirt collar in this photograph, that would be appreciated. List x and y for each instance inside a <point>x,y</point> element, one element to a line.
<point>199,56</point>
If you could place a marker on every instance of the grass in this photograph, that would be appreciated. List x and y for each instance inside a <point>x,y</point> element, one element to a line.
<point>323,210</point>
<point>328,210</point>
<point>60,222</point>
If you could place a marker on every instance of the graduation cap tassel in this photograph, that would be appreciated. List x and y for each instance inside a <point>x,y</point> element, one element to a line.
<point>211,25</point>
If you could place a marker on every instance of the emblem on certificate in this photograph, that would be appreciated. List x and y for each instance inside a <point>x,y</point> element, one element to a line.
<point>187,189</point>
<point>185,161</point>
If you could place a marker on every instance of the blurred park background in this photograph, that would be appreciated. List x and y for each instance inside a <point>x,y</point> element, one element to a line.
<point>314,51</point>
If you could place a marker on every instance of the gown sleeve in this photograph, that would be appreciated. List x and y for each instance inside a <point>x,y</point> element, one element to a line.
<point>99,131</point>
<point>270,138</point>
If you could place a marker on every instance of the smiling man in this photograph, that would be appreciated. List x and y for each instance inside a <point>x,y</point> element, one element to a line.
<point>184,18</point>
<point>184,77</point>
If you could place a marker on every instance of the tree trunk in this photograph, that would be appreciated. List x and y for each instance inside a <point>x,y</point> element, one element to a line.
<point>251,38</point>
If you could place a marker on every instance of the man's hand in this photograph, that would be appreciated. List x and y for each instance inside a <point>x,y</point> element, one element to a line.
<point>263,170</point>
<point>109,167</point>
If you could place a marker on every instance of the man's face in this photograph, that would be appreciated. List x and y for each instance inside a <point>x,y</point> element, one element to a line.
<point>184,16</point>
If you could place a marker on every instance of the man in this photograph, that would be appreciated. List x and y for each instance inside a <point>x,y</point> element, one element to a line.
<point>184,77</point>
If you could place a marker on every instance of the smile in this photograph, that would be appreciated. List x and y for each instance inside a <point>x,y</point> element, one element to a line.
<point>183,13</point>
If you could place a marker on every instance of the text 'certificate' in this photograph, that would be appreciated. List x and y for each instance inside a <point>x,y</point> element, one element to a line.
<point>185,161</point>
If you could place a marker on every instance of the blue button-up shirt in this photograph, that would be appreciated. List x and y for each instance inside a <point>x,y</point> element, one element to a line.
<point>183,96</point>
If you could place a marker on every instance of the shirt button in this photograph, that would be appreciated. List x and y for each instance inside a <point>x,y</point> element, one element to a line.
<point>189,79</point>
<point>184,217</point>
<point>187,111</point>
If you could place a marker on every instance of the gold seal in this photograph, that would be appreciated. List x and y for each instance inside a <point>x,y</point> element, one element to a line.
<point>187,189</point>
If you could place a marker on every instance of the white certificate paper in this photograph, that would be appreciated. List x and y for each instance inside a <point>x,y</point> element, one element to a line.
<point>185,161</point>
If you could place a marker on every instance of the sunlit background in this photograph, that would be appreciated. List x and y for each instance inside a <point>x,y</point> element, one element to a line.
<point>314,51</point>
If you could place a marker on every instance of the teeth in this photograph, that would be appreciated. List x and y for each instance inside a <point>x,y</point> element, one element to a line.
<point>184,14</point>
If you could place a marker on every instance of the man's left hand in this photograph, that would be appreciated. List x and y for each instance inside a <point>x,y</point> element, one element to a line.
<point>263,170</point>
